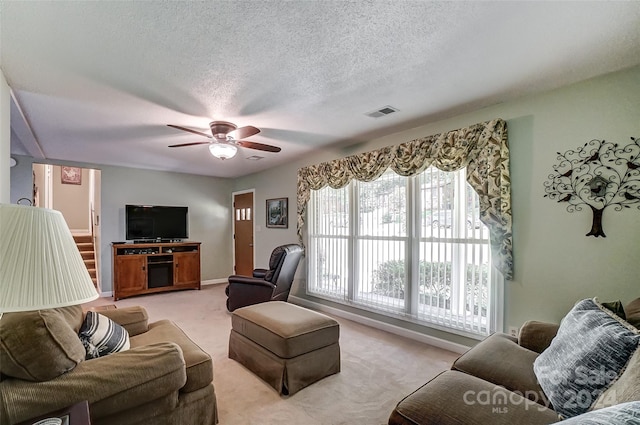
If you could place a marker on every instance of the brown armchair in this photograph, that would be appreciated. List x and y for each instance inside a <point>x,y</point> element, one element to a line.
<point>164,378</point>
<point>271,284</point>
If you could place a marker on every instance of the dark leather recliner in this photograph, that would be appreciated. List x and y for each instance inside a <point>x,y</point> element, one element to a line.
<point>271,284</point>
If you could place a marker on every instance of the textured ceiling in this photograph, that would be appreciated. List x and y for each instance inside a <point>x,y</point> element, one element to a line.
<point>97,82</point>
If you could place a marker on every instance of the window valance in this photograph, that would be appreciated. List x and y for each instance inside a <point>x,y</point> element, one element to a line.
<point>482,148</point>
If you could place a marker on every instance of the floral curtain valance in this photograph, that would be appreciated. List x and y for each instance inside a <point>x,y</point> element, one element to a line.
<point>482,148</point>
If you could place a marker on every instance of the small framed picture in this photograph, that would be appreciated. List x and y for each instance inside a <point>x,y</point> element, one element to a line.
<point>278,213</point>
<point>71,175</point>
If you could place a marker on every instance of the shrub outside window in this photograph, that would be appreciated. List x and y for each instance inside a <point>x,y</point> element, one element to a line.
<point>408,247</point>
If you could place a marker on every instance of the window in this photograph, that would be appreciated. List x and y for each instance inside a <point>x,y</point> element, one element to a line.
<point>410,247</point>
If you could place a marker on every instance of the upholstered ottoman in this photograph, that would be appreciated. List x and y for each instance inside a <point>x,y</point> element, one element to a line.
<point>288,346</point>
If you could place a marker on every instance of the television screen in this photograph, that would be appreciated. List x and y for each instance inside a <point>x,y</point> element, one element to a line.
<point>152,222</point>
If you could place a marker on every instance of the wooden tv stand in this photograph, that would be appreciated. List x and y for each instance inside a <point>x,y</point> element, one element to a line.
<point>147,268</point>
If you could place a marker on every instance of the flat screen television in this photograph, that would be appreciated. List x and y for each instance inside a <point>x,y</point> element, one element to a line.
<point>156,222</point>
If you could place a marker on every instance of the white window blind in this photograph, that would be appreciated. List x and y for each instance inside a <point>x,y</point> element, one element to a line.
<point>411,247</point>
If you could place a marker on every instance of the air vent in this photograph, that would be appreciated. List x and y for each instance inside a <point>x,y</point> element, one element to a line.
<point>255,158</point>
<point>385,110</point>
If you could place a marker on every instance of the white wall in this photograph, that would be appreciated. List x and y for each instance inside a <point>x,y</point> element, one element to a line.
<point>555,263</point>
<point>73,200</point>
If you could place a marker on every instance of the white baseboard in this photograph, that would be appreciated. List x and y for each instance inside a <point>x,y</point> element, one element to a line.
<point>408,333</point>
<point>106,294</point>
<point>214,281</point>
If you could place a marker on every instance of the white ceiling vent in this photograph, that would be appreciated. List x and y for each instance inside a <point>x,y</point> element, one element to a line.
<point>385,110</point>
<point>255,158</point>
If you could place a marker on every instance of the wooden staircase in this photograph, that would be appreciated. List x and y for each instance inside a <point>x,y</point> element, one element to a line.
<point>87,250</point>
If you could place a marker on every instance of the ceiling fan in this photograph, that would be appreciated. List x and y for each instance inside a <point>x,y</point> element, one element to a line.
<point>224,139</point>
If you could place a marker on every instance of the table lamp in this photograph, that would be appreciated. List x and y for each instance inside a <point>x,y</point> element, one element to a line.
<point>40,265</point>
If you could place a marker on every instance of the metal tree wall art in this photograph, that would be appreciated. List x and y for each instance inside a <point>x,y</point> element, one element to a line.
<point>599,174</point>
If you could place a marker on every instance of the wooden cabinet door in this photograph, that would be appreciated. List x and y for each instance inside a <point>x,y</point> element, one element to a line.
<point>186,269</point>
<point>130,273</point>
<point>243,233</point>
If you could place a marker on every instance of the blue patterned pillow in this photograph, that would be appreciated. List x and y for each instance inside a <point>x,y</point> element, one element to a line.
<point>620,414</point>
<point>101,336</point>
<point>592,347</point>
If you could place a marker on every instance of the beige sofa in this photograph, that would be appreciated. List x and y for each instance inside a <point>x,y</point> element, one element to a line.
<point>495,383</point>
<point>164,378</point>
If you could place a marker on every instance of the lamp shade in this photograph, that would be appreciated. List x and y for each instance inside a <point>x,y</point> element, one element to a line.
<point>40,265</point>
<point>222,151</point>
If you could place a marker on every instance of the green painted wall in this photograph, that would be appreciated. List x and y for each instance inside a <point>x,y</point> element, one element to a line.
<point>5,139</point>
<point>208,199</point>
<point>555,263</point>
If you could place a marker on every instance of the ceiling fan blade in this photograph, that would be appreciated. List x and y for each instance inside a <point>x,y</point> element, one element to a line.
<point>189,144</point>
<point>258,146</point>
<point>208,136</point>
<point>242,132</point>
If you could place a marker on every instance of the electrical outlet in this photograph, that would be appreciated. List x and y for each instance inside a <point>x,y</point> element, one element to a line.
<point>513,331</point>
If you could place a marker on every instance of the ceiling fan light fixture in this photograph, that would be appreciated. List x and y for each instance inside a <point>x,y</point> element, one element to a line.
<point>223,151</point>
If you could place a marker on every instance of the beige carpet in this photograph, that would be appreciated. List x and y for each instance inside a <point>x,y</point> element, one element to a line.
<point>378,368</point>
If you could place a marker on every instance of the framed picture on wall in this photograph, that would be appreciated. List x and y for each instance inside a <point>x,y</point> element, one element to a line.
<point>71,175</point>
<point>278,213</point>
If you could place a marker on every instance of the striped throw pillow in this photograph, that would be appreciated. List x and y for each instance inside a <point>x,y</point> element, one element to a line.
<point>101,336</point>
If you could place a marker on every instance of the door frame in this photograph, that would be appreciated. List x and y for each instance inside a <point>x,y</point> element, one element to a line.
<point>233,227</point>
<point>94,206</point>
